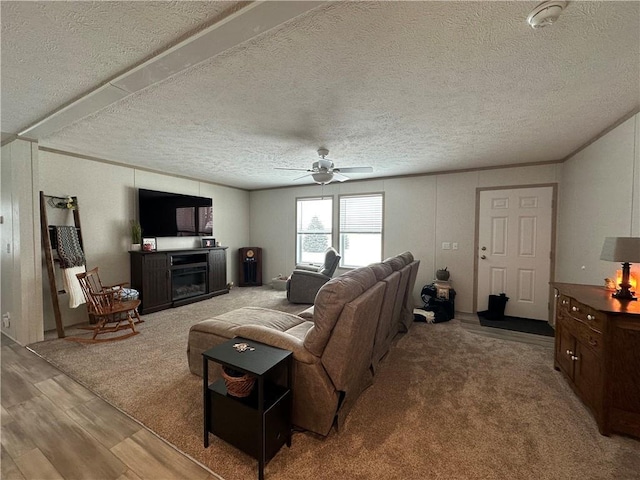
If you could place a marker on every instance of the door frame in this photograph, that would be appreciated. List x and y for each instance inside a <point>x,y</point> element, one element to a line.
<point>552,259</point>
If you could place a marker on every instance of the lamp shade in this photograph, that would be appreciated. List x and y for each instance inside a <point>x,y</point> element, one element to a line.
<point>621,249</point>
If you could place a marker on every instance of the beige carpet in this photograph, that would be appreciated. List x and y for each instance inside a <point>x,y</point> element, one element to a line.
<point>446,404</point>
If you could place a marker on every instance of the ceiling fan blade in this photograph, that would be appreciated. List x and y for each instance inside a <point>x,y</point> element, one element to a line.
<point>303,176</point>
<point>295,169</point>
<point>354,169</point>
<point>339,176</point>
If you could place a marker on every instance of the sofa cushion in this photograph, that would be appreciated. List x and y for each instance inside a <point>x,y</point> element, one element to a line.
<point>330,301</point>
<point>381,270</point>
<point>396,263</point>
<point>407,257</point>
<point>207,333</point>
<point>224,325</point>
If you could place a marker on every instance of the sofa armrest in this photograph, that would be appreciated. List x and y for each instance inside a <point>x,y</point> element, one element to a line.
<point>278,339</point>
<point>307,274</point>
<point>308,267</point>
<point>308,313</point>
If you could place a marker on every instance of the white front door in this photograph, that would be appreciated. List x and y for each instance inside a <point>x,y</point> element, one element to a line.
<point>514,249</point>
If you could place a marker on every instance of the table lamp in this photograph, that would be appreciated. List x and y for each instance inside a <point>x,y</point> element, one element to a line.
<point>627,251</point>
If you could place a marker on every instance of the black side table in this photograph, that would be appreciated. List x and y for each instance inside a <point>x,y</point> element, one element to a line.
<point>260,423</point>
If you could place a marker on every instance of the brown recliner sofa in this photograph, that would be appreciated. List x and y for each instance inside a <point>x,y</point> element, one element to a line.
<point>335,344</point>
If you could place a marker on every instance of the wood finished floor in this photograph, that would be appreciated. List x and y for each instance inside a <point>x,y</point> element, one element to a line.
<point>54,428</point>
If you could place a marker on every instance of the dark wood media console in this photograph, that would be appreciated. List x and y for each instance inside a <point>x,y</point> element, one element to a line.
<point>172,278</point>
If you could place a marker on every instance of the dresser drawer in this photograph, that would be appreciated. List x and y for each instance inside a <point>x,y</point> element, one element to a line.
<point>584,334</point>
<point>590,337</point>
<point>592,318</point>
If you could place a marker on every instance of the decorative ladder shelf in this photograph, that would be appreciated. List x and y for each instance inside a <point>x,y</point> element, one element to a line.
<point>46,231</point>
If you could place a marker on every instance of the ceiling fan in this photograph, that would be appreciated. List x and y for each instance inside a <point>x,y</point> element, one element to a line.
<point>323,171</point>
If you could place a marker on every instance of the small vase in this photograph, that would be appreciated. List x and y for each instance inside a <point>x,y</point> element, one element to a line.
<point>136,247</point>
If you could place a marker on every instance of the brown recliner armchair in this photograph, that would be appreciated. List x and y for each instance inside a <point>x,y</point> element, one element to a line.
<point>306,279</point>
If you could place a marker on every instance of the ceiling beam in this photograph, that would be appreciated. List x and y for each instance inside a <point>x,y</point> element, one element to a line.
<point>239,27</point>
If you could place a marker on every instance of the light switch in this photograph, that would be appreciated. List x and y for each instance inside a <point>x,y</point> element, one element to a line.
<point>446,245</point>
<point>454,246</point>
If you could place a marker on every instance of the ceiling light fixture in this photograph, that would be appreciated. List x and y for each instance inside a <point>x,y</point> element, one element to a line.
<point>322,177</point>
<point>545,14</point>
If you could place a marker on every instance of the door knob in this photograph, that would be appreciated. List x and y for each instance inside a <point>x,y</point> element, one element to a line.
<point>483,257</point>
<point>483,248</point>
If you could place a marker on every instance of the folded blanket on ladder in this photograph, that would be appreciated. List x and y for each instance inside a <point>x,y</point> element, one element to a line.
<point>72,262</point>
<point>72,285</point>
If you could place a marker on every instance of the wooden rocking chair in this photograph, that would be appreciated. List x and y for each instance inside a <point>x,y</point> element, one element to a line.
<point>107,306</point>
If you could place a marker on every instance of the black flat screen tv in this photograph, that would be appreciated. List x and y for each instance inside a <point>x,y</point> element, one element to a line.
<point>165,214</point>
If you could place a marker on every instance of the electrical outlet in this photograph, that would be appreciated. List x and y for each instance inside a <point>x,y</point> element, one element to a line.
<point>6,320</point>
<point>446,245</point>
<point>454,246</point>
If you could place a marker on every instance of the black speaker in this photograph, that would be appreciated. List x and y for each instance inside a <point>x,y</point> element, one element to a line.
<point>250,267</point>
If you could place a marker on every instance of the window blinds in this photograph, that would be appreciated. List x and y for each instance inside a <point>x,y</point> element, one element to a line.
<point>361,214</point>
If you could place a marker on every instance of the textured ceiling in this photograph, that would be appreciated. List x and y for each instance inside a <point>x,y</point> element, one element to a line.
<point>53,52</point>
<point>405,87</point>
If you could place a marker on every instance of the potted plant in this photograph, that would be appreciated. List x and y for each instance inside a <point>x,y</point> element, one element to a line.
<point>442,274</point>
<point>136,235</point>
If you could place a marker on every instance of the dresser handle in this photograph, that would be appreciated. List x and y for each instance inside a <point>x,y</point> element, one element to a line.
<point>590,317</point>
<point>570,353</point>
<point>575,309</point>
<point>564,302</point>
<point>574,358</point>
<point>593,342</point>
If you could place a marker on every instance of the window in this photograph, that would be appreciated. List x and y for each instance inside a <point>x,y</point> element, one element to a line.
<point>313,229</point>
<point>360,229</point>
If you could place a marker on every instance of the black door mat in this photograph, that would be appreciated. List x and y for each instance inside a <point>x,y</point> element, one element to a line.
<point>517,324</point>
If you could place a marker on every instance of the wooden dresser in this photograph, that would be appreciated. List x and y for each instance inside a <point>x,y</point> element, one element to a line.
<point>597,348</point>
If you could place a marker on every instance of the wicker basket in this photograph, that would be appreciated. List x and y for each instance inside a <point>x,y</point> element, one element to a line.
<point>238,386</point>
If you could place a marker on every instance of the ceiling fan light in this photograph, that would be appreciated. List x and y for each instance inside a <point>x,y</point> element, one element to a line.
<point>322,177</point>
<point>546,14</point>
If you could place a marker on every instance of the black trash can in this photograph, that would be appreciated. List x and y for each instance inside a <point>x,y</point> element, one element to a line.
<point>497,304</point>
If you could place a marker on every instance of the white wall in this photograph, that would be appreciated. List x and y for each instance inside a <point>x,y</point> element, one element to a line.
<point>21,273</point>
<point>420,213</point>
<point>107,198</point>
<point>599,197</point>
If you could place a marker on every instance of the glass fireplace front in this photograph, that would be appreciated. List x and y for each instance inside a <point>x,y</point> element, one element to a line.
<point>188,282</point>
